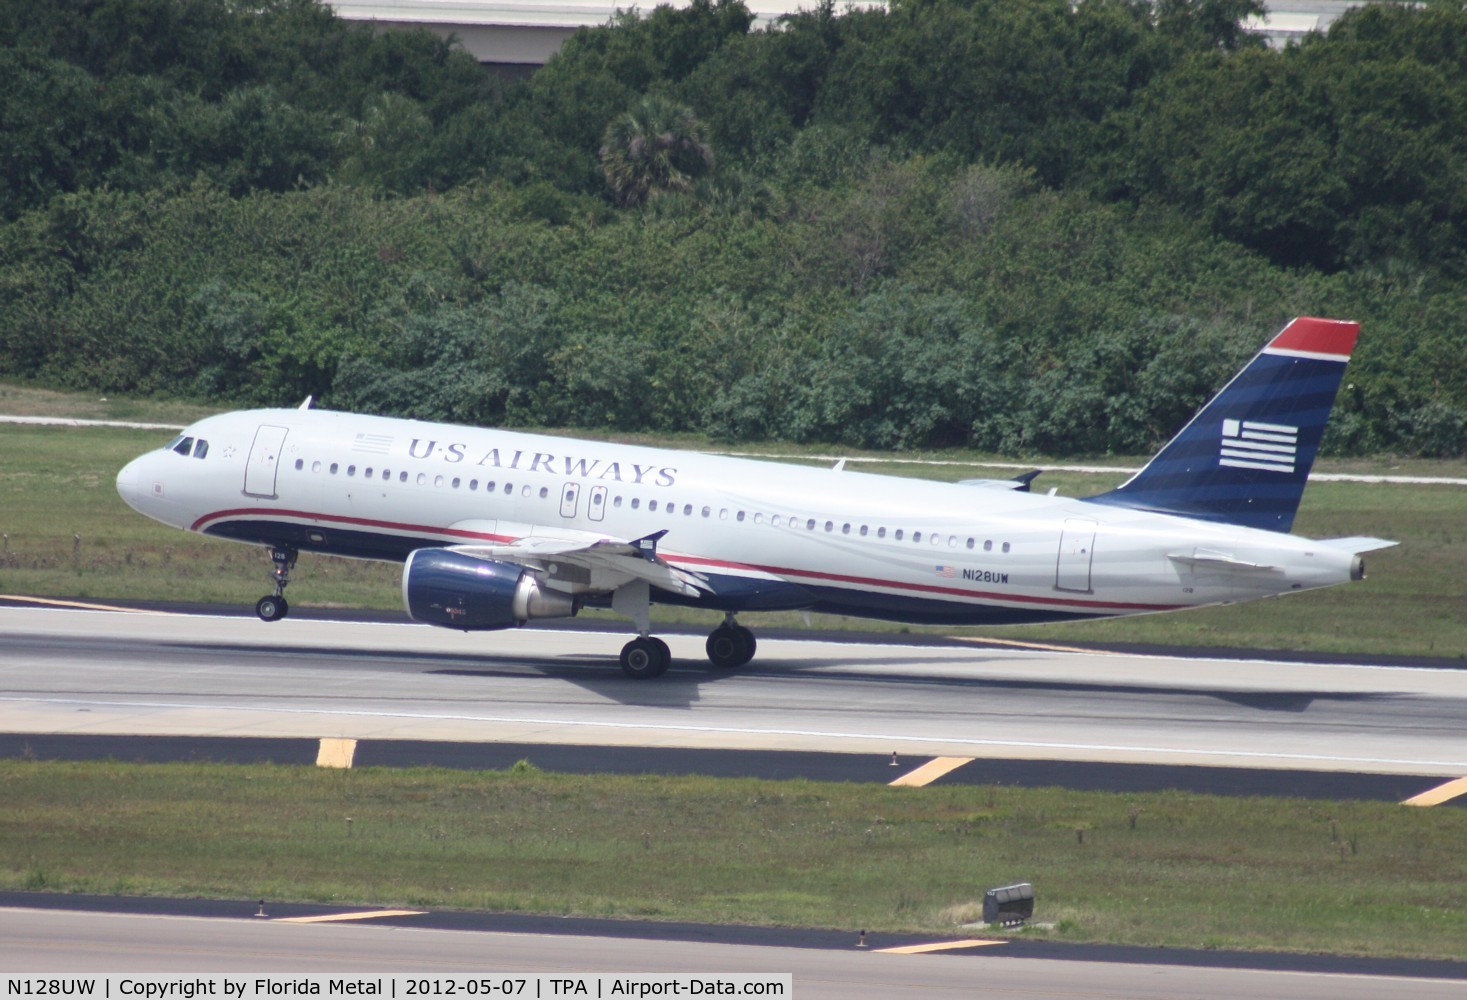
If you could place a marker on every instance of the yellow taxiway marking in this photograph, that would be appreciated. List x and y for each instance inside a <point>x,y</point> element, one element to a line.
<point>367,915</point>
<point>336,753</point>
<point>80,604</point>
<point>922,949</point>
<point>930,772</point>
<point>1441,793</point>
<point>1019,644</point>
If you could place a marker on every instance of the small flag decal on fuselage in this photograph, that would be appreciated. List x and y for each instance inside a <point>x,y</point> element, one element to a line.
<point>373,444</point>
<point>1250,444</point>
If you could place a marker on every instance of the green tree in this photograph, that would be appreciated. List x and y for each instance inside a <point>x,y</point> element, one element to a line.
<point>656,146</point>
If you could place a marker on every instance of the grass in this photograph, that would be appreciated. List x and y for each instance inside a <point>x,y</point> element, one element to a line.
<point>66,534</point>
<point>1167,869</point>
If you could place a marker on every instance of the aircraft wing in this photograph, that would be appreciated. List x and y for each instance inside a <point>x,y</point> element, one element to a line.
<point>598,566</point>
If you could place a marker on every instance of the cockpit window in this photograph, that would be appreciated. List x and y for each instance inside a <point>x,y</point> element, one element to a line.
<point>182,445</point>
<point>201,448</point>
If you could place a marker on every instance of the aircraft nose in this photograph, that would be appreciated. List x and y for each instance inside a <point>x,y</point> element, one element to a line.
<point>132,484</point>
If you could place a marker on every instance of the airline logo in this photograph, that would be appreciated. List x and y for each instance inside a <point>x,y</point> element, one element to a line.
<point>1252,444</point>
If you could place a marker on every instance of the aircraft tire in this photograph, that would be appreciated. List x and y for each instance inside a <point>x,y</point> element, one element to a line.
<point>730,646</point>
<point>271,608</point>
<point>750,643</point>
<point>645,657</point>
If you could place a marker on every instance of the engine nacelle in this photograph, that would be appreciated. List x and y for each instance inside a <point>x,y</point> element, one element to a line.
<point>459,591</point>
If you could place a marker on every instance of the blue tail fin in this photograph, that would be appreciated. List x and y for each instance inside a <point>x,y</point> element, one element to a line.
<point>1244,459</point>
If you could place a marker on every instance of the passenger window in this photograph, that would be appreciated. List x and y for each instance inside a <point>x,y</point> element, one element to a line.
<point>881,532</point>
<point>1005,546</point>
<point>758,517</point>
<point>863,531</point>
<point>774,520</point>
<point>351,470</point>
<point>544,492</point>
<point>422,478</point>
<point>489,486</point>
<point>300,464</point>
<point>636,502</point>
<point>508,488</point>
<point>402,476</point>
<point>988,545</point>
<point>810,524</point>
<point>438,481</point>
<point>315,466</point>
<point>739,517</point>
<point>916,537</point>
<point>651,504</point>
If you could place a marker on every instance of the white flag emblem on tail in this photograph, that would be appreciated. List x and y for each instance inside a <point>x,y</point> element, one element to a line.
<point>1249,444</point>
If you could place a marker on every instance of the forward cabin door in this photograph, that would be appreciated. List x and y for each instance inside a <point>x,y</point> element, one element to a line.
<point>1076,552</point>
<point>264,461</point>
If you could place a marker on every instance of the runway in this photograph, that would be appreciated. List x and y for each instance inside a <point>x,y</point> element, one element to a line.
<point>48,941</point>
<point>193,682</point>
<point>97,672</point>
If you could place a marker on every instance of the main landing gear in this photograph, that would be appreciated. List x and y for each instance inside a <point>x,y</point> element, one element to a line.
<point>645,657</point>
<point>730,645</point>
<point>274,607</point>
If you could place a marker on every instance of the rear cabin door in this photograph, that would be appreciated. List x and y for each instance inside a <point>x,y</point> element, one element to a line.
<point>264,461</point>
<point>1076,552</point>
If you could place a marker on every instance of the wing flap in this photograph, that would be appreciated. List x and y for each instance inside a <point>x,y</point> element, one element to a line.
<point>599,566</point>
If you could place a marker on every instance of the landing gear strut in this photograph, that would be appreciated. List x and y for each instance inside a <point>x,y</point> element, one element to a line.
<point>730,645</point>
<point>274,607</point>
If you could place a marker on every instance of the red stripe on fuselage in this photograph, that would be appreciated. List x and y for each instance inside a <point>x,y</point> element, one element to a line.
<point>682,560</point>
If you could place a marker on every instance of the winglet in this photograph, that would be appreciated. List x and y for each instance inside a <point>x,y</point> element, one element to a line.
<point>646,546</point>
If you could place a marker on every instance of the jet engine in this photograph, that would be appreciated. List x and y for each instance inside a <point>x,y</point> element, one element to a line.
<point>460,591</point>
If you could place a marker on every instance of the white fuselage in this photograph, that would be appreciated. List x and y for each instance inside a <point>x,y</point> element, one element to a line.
<point>833,540</point>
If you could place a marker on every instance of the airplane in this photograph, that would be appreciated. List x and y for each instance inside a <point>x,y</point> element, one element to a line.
<point>495,527</point>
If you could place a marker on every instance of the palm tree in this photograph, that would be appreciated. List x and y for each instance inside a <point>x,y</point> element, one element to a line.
<point>657,145</point>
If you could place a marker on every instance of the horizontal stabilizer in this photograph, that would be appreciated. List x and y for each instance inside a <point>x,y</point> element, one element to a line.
<point>1357,545</point>
<point>1019,483</point>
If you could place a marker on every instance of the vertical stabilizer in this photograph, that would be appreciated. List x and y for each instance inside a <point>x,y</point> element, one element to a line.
<point>1245,457</point>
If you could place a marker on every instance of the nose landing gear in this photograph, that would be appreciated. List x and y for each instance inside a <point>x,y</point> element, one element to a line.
<point>274,607</point>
